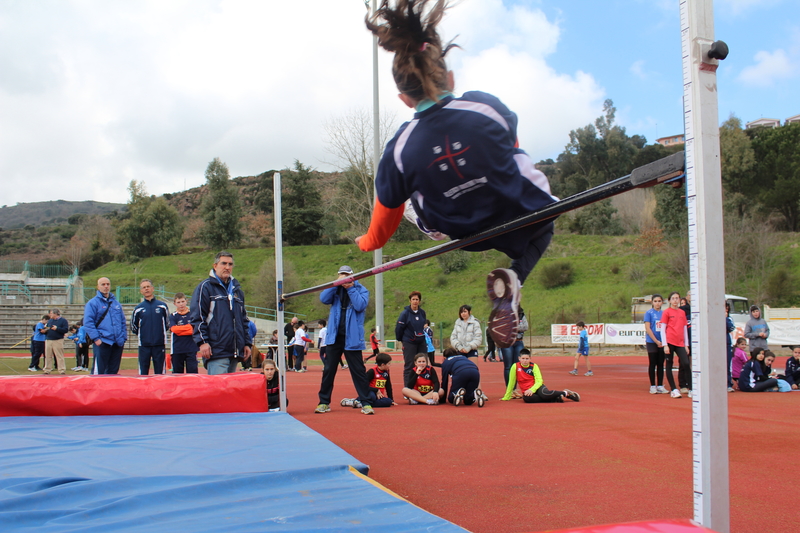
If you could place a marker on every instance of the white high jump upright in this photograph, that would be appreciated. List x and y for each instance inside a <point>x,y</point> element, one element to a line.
<point>706,264</point>
<point>280,360</point>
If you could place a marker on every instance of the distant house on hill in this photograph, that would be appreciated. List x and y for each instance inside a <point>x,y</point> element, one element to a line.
<point>792,120</point>
<point>671,140</point>
<point>764,122</point>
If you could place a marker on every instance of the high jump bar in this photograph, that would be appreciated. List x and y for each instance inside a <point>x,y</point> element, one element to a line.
<point>660,171</point>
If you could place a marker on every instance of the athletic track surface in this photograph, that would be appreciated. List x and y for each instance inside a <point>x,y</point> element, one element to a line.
<point>619,455</point>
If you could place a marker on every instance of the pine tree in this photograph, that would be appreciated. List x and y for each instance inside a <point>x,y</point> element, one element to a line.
<point>221,209</point>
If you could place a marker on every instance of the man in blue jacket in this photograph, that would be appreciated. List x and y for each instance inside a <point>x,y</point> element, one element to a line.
<point>345,335</point>
<point>219,318</point>
<point>54,332</point>
<point>150,321</point>
<point>104,322</point>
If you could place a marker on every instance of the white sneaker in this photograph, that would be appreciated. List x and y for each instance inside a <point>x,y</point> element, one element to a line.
<point>662,390</point>
<point>479,397</point>
<point>684,390</point>
<point>676,393</point>
<point>574,372</point>
<point>689,394</point>
<point>458,397</point>
<point>413,402</point>
<point>431,401</point>
<point>730,389</point>
<point>653,389</point>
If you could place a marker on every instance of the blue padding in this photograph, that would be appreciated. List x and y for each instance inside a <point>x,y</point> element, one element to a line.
<point>111,447</point>
<point>210,472</point>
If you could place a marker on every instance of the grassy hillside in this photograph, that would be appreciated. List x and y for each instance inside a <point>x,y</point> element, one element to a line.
<point>607,273</point>
<point>51,212</point>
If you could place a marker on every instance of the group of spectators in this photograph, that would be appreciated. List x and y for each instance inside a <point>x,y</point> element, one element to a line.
<point>669,334</point>
<point>216,328</point>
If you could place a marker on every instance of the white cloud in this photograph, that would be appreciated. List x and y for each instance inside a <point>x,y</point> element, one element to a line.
<point>769,68</point>
<point>96,93</point>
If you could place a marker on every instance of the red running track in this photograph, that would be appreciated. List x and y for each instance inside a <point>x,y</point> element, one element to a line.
<point>619,455</point>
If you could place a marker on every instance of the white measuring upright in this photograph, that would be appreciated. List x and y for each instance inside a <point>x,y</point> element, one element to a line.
<point>706,264</point>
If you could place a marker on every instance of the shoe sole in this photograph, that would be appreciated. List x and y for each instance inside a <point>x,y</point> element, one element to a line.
<point>479,397</point>
<point>459,397</point>
<point>503,319</point>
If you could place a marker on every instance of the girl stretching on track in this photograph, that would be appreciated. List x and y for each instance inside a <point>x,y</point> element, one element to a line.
<point>457,161</point>
<point>674,331</point>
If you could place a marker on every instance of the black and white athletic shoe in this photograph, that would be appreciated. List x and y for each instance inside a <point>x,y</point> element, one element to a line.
<point>480,399</point>
<point>459,397</point>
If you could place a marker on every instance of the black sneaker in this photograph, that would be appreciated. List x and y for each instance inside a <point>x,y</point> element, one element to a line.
<point>502,285</point>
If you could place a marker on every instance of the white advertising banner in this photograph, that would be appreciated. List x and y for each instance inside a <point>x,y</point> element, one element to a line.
<point>569,334</point>
<point>625,334</point>
<point>783,332</point>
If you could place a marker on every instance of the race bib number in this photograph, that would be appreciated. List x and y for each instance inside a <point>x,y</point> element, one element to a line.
<point>380,383</point>
<point>424,389</point>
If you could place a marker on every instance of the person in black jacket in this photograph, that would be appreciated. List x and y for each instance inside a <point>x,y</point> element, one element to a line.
<point>219,318</point>
<point>410,331</point>
<point>150,321</point>
<point>54,332</point>
<point>792,374</point>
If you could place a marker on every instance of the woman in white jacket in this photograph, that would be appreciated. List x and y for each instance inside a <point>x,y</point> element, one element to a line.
<point>466,336</point>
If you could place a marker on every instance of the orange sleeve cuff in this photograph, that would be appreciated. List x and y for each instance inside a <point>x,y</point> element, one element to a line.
<point>187,329</point>
<point>384,223</point>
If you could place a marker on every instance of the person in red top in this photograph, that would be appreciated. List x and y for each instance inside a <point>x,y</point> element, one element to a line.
<point>375,343</point>
<point>674,330</point>
<point>529,378</point>
<point>422,385</point>
<point>380,384</point>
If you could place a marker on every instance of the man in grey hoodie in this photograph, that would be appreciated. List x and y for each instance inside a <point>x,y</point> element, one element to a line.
<point>756,330</point>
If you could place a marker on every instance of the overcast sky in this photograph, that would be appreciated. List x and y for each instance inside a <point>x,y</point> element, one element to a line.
<point>95,93</point>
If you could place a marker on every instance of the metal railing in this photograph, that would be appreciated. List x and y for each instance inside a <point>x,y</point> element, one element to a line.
<point>8,288</point>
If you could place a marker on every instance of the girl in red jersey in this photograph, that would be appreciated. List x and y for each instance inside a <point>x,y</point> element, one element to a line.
<point>531,384</point>
<point>422,385</point>
<point>674,331</point>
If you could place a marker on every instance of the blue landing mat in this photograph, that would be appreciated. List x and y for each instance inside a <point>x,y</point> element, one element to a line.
<point>207,472</point>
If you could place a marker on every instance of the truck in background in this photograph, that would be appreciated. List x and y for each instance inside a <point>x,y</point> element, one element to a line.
<point>740,308</point>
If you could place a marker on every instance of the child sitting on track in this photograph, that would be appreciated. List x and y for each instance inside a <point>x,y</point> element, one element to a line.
<point>739,360</point>
<point>583,350</point>
<point>273,385</point>
<point>423,383</point>
<point>466,378</point>
<point>530,382</point>
<point>457,161</point>
<point>380,384</point>
<point>792,375</point>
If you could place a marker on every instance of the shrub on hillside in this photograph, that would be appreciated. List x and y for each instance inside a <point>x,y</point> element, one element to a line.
<point>557,274</point>
<point>454,261</point>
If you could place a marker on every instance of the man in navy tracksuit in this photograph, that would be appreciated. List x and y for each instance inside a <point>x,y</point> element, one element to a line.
<point>150,321</point>
<point>104,321</point>
<point>219,319</point>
